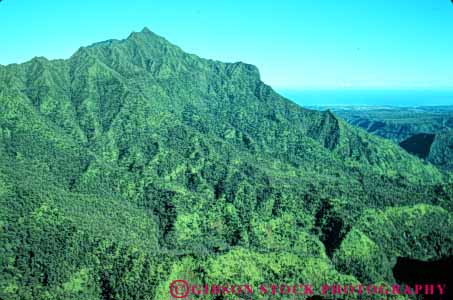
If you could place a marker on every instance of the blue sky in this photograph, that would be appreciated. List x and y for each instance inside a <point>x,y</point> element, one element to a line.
<point>295,43</point>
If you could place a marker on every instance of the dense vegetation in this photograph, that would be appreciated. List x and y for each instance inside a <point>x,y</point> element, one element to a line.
<point>133,163</point>
<point>398,123</point>
<point>422,131</point>
<point>441,150</point>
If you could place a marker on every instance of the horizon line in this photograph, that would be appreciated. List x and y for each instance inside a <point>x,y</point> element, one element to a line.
<point>363,88</point>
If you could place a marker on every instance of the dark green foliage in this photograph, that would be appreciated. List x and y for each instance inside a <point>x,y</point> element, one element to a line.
<point>441,152</point>
<point>423,131</point>
<point>418,144</point>
<point>133,163</point>
<point>398,123</point>
<point>371,248</point>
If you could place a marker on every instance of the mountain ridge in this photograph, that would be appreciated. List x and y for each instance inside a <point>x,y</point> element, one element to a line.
<point>183,164</point>
<point>97,56</point>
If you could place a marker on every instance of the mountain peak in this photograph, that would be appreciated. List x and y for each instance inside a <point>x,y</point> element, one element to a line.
<point>145,33</point>
<point>146,30</point>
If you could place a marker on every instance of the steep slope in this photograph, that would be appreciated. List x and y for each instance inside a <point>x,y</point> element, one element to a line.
<point>413,128</point>
<point>441,151</point>
<point>143,162</point>
<point>419,144</point>
<point>399,123</point>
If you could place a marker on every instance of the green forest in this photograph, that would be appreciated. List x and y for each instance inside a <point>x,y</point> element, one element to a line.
<point>133,163</point>
<point>424,131</point>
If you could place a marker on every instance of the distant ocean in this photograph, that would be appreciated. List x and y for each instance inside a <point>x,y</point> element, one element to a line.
<point>348,97</point>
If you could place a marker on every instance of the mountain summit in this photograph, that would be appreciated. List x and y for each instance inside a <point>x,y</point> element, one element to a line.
<point>146,30</point>
<point>132,163</point>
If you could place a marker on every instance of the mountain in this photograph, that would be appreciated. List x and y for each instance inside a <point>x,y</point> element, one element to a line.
<point>441,150</point>
<point>419,144</point>
<point>398,123</point>
<point>436,148</point>
<point>133,163</point>
<point>414,128</point>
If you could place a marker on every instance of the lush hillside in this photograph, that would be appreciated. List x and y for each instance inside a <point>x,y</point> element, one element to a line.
<point>441,151</point>
<point>415,129</point>
<point>419,144</point>
<point>435,148</point>
<point>133,163</point>
<point>399,123</point>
